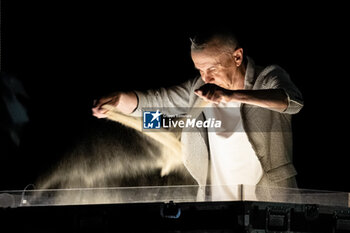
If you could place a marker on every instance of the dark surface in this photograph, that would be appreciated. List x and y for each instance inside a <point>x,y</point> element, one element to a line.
<point>144,217</point>
<point>179,217</point>
<point>67,54</point>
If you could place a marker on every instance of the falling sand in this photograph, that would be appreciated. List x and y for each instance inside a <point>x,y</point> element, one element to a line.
<point>171,151</point>
<point>131,157</point>
<point>171,156</point>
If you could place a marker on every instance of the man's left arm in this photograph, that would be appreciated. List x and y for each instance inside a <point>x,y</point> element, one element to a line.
<point>274,99</point>
<point>276,92</point>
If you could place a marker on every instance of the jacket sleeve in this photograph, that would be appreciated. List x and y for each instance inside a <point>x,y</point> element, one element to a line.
<point>277,78</point>
<point>174,98</point>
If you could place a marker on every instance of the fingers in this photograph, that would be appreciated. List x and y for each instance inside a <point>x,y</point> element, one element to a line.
<point>214,94</point>
<point>209,92</point>
<point>99,113</point>
<point>209,97</point>
<point>97,109</point>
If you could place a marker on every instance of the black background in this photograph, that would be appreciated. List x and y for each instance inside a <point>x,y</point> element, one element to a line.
<point>67,54</point>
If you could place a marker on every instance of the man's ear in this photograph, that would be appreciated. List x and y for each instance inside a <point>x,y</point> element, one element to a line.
<point>238,56</point>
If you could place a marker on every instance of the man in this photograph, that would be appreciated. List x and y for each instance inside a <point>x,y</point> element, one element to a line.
<point>254,103</point>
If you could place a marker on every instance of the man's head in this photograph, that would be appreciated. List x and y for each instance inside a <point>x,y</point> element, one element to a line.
<point>219,59</point>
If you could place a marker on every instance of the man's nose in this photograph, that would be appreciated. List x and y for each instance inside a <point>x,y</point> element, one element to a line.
<point>206,78</point>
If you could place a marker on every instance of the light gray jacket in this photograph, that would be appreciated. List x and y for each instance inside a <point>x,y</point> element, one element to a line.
<point>269,132</point>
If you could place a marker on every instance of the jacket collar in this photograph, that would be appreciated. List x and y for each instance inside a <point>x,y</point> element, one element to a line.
<point>249,77</point>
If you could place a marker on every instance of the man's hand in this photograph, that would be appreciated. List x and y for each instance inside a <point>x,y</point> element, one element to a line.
<point>214,94</point>
<point>125,102</point>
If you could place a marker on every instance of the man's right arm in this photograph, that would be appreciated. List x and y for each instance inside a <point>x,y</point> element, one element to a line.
<point>175,98</point>
<point>125,102</point>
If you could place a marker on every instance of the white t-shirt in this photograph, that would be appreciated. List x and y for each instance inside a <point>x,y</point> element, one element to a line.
<point>232,158</point>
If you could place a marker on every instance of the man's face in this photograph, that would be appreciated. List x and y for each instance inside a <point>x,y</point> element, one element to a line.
<point>215,66</point>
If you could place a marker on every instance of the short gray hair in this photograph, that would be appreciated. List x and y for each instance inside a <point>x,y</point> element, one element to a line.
<point>224,39</point>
